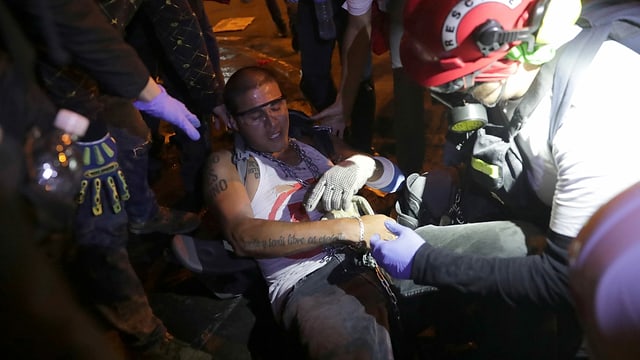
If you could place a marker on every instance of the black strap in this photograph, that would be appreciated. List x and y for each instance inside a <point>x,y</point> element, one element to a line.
<point>540,86</point>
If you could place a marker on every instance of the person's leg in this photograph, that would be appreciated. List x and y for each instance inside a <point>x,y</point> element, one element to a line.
<point>316,82</point>
<point>105,276</point>
<point>408,101</point>
<point>363,116</point>
<point>491,239</point>
<point>339,314</point>
<point>276,16</point>
<point>501,330</point>
<point>292,14</point>
<point>134,141</point>
<point>193,155</point>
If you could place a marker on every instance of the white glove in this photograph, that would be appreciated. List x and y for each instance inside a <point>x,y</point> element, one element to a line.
<point>337,185</point>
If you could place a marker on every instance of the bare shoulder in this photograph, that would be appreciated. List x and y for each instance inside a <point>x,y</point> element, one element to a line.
<point>219,171</point>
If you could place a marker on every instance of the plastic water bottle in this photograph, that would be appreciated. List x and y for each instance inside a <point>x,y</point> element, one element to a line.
<point>54,164</point>
<point>324,15</point>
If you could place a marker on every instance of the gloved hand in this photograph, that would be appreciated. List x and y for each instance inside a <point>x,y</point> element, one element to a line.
<point>102,177</point>
<point>337,185</point>
<point>173,111</point>
<point>396,256</point>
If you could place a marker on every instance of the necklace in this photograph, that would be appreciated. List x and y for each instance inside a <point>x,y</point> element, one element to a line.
<point>288,170</point>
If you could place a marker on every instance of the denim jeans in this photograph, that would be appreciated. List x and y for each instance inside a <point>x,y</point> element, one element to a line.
<point>491,239</point>
<point>340,311</point>
<point>506,331</point>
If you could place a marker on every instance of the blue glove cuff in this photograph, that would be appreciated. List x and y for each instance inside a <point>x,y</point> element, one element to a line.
<point>391,179</point>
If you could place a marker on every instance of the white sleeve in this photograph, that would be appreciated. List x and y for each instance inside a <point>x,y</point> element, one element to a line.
<point>596,148</point>
<point>357,7</point>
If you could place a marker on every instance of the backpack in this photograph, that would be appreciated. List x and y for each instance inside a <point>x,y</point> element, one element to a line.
<point>496,163</point>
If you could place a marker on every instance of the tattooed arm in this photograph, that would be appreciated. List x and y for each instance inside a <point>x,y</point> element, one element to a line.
<point>228,198</point>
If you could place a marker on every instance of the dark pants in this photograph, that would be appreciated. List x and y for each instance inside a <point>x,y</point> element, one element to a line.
<point>101,262</point>
<point>276,15</point>
<point>317,80</point>
<point>341,311</point>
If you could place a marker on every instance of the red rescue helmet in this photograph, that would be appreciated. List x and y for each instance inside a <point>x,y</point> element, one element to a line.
<point>605,264</point>
<point>446,40</point>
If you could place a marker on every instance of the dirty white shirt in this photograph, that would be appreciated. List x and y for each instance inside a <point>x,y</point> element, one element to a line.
<point>594,155</point>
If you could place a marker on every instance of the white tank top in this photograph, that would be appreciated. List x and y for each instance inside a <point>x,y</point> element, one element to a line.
<point>284,272</point>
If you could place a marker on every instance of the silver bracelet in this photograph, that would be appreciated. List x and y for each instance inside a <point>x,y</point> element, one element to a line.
<point>361,223</point>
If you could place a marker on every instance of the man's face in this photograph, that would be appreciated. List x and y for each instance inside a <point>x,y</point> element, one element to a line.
<point>263,118</point>
<point>487,93</point>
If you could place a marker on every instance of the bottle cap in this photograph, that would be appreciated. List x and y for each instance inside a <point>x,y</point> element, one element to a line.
<point>71,122</point>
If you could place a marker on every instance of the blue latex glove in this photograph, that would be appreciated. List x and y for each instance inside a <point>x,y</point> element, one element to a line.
<point>102,178</point>
<point>173,111</point>
<point>396,256</point>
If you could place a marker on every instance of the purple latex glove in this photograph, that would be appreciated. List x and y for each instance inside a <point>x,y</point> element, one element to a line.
<point>173,111</point>
<point>396,256</point>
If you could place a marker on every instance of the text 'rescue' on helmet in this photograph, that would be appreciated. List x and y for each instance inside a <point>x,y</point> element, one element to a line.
<point>445,40</point>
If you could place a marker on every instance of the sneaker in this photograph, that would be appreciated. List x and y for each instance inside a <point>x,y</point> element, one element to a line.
<point>173,349</point>
<point>167,221</point>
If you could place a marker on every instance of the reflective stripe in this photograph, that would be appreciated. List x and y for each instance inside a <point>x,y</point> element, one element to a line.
<point>490,170</point>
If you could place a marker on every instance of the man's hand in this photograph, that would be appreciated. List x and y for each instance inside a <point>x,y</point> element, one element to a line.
<point>374,225</point>
<point>396,256</point>
<point>165,107</point>
<point>334,117</point>
<point>337,185</point>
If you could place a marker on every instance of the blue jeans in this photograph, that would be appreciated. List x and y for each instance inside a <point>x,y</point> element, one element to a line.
<point>490,239</point>
<point>340,312</point>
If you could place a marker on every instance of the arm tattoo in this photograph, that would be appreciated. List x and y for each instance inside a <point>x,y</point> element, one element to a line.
<point>291,240</point>
<point>253,168</point>
<point>214,185</point>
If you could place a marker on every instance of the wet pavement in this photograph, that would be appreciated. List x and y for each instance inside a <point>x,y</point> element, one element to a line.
<point>194,307</point>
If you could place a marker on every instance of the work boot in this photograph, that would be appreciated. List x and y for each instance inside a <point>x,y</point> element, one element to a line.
<point>167,221</point>
<point>173,349</point>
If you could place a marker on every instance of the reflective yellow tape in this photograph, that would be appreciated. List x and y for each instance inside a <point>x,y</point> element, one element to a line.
<point>490,170</point>
<point>125,186</point>
<point>97,203</point>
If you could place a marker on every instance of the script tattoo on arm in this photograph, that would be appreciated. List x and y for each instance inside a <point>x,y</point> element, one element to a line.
<point>215,185</point>
<point>291,240</point>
